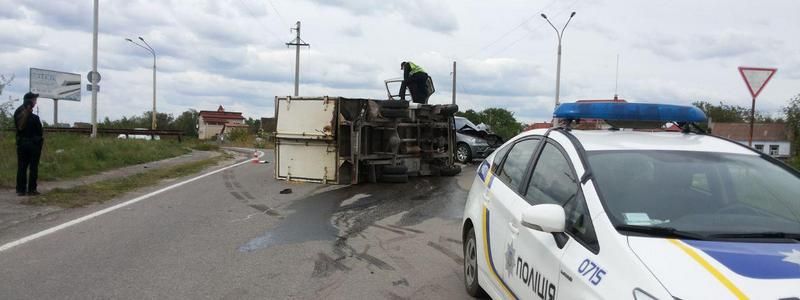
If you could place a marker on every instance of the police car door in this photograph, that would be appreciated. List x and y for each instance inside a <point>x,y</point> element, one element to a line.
<point>502,200</point>
<point>537,254</point>
<point>582,270</point>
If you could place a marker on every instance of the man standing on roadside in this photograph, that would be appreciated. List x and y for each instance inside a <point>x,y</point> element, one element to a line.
<point>29,145</point>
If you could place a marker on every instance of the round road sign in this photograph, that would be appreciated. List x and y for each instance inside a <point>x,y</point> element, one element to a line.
<point>94,77</point>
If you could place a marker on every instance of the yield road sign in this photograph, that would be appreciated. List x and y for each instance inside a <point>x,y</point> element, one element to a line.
<point>756,78</point>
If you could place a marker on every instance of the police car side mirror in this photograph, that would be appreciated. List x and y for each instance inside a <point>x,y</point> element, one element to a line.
<point>545,217</point>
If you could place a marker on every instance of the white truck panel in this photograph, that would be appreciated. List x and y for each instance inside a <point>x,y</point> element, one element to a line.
<point>307,161</point>
<point>305,118</point>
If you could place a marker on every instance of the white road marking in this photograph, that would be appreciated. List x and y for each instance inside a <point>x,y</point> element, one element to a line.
<point>113,208</point>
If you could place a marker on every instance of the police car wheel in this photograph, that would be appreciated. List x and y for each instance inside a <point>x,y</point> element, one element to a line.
<point>471,266</point>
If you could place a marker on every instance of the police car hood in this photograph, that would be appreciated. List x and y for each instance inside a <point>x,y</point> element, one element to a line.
<point>691,269</point>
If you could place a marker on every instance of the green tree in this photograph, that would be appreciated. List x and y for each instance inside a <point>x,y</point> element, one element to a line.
<point>471,115</point>
<point>724,113</point>
<point>187,122</point>
<point>254,124</point>
<point>792,114</point>
<point>7,115</point>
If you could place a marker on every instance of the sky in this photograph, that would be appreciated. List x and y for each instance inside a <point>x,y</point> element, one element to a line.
<point>233,53</point>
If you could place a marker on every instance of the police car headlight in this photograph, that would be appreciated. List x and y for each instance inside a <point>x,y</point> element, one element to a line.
<point>639,294</point>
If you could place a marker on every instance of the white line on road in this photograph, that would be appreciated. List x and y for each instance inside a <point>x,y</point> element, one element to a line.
<point>113,208</point>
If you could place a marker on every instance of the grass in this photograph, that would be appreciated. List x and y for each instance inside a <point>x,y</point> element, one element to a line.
<point>67,156</point>
<point>108,189</point>
<point>795,162</point>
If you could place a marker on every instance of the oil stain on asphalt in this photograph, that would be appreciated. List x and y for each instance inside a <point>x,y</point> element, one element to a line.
<point>342,213</point>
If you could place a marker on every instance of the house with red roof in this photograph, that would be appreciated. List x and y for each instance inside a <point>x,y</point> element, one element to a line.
<point>770,138</point>
<point>213,123</point>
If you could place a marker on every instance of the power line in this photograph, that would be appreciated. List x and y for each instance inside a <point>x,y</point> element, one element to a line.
<point>277,12</point>
<point>266,27</point>
<point>532,31</point>
<point>528,19</point>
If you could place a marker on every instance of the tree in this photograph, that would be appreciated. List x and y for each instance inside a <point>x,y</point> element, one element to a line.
<point>792,114</point>
<point>7,115</point>
<point>724,113</point>
<point>254,124</point>
<point>187,122</point>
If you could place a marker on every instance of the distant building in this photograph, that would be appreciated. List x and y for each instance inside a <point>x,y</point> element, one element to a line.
<point>212,123</point>
<point>770,138</point>
<point>541,125</point>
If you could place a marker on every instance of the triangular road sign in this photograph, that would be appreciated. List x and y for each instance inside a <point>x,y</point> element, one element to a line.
<point>756,78</point>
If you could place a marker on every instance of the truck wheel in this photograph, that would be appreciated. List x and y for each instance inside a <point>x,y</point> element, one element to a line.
<point>394,104</point>
<point>471,266</point>
<point>449,109</point>
<point>394,113</point>
<point>394,178</point>
<point>449,170</point>
<point>463,153</point>
<point>395,170</point>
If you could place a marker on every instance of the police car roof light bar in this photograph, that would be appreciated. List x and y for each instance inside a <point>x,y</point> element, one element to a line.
<point>630,112</point>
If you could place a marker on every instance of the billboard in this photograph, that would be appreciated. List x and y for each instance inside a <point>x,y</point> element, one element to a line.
<point>55,85</point>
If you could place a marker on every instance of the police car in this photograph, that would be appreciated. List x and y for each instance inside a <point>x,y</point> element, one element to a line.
<point>631,214</point>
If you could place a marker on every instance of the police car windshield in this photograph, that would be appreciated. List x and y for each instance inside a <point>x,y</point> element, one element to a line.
<point>699,192</point>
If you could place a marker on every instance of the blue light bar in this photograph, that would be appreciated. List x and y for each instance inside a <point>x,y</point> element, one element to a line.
<point>629,112</point>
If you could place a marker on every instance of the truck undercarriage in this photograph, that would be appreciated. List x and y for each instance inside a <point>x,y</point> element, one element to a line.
<point>349,141</point>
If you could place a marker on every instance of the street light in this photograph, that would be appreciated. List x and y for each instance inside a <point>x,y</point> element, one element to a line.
<point>560,34</point>
<point>153,52</point>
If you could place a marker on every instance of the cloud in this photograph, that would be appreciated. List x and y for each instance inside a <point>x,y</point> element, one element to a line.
<point>353,31</point>
<point>228,52</point>
<point>706,46</point>
<point>433,15</point>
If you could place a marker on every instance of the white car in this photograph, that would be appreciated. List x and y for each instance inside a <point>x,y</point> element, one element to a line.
<point>623,214</point>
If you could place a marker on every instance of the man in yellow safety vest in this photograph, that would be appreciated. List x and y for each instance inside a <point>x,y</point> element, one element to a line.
<point>417,81</point>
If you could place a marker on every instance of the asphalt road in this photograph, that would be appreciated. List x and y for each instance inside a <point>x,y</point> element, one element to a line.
<point>232,235</point>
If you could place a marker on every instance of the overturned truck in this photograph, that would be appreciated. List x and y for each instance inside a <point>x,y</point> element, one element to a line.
<point>348,141</point>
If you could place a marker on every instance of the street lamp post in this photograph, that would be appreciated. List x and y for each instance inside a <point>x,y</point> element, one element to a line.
<point>559,34</point>
<point>153,52</point>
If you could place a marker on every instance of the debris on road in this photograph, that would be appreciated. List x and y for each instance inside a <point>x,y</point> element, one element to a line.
<point>286,191</point>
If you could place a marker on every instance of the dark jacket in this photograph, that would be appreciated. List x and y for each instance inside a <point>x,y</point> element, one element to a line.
<point>28,125</point>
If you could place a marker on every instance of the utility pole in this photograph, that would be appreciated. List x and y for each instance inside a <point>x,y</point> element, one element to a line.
<point>55,112</point>
<point>297,42</point>
<point>94,70</point>
<point>454,82</point>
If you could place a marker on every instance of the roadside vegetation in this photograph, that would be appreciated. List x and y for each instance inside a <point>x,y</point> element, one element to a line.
<point>108,189</point>
<point>67,156</point>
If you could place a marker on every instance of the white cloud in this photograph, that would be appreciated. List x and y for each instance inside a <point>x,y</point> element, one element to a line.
<point>233,52</point>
